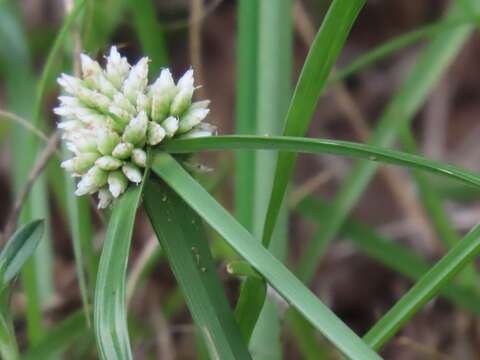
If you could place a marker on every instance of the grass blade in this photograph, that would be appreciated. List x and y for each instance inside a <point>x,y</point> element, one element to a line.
<point>433,205</point>
<point>390,254</point>
<point>398,43</point>
<point>20,92</point>
<point>274,272</point>
<point>8,343</point>
<point>150,33</point>
<point>180,233</point>
<point>320,60</point>
<point>319,146</point>
<point>18,250</point>
<point>399,112</point>
<point>424,289</point>
<point>273,82</point>
<point>110,315</point>
<point>246,110</point>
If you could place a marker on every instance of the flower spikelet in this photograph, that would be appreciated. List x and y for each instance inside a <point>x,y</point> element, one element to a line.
<point>111,115</point>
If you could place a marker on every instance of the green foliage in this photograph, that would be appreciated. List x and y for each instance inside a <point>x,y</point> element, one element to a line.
<point>110,314</point>
<point>181,236</point>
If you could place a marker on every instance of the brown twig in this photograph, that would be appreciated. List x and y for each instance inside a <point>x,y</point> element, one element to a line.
<point>164,341</point>
<point>25,123</point>
<point>37,169</point>
<point>147,252</point>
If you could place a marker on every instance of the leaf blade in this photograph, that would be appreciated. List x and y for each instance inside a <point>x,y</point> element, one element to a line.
<point>274,271</point>
<point>110,312</point>
<point>181,237</point>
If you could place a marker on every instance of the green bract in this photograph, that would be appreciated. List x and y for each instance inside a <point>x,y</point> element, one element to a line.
<point>111,115</point>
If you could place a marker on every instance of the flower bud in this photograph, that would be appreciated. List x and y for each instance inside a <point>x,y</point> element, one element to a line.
<point>186,81</point>
<point>191,119</point>
<point>80,163</point>
<point>117,183</point>
<point>201,130</point>
<point>70,125</point>
<point>155,133</point>
<point>132,173</point>
<point>144,103</point>
<point>170,125</point>
<point>200,105</point>
<point>163,92</point>
<point>181,102</point>
<point>84,142</point>
<point>136,80</point>
<point>90,68</point>
<point>94,179</point>
<point>104,198</point>
<point>108,163</point>
<point>94,99</point>
<point>103,85</point>
<point>139,157</point>
<point>106,140</point>
<point>122,102</point>
<point>70,84</point>
<point>117,68</point>
<point>136,130</point>
<point>122,151</point>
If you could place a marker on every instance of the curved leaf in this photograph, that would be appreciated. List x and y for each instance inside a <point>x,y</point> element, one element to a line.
<point>320,60</point>
<point>297,294</point>
<point>320,146</point>
<point>424,289</point>
<point>18,250</point>
<point>181,236</point>
<point>110,314</point>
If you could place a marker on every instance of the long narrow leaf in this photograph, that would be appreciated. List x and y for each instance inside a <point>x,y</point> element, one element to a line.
<point>110,314</point>
<point>181,236</point>
<point>398,43</point>
<point>274,272</point>
<point>389,253</point>
<point>434,60</point>
<point>319,146</point>
<point>320,60</point>
<point>18,250</point>
<point>425,289</point>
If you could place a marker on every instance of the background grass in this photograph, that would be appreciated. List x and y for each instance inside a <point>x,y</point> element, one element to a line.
<point>250,57</point>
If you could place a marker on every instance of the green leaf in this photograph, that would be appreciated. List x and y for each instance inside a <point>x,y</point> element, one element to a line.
<point>320,146</point>
<point>428,69</point>
<point>424,289</point>
<point>110,314</point>
<point>8,343</point>
<point>398,43</point>
<point>150,33</point>
<point>246,110</point>
<point>265,263</point>
<point>433,205</point>
<point>18,250</point>
<point>273,92</point>
<point>20,83</point>
<point>179,231</point>
<point>389,253</point>
<point>318,65</point>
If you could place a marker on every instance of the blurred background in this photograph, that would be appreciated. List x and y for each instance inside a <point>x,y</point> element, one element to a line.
<point>358,284</point>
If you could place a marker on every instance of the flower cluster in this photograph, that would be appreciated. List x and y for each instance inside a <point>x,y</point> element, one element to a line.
<point>111,115</point>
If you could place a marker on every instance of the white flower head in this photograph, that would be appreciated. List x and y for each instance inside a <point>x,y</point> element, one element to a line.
<point>110,116</point>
